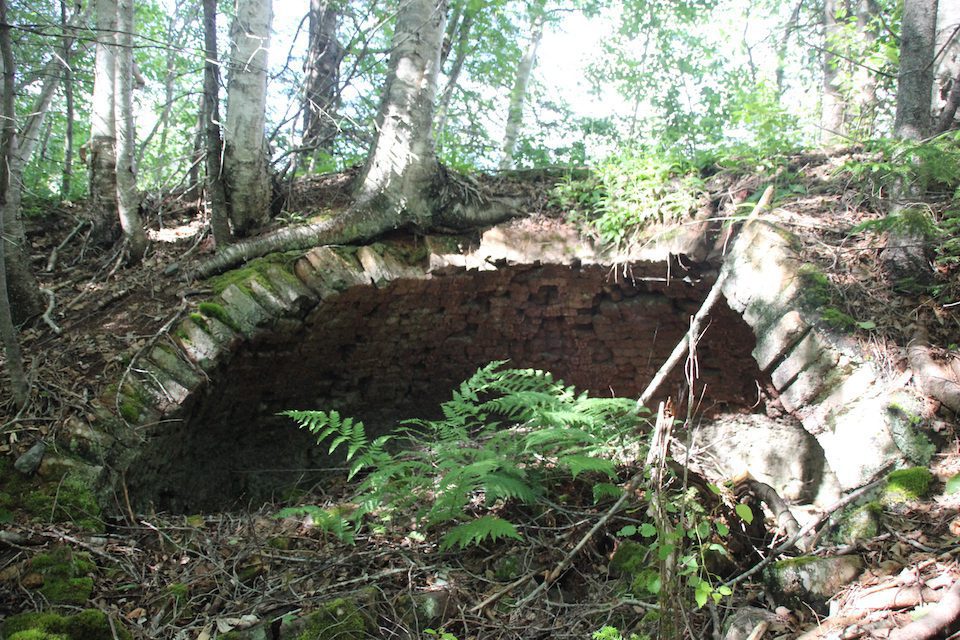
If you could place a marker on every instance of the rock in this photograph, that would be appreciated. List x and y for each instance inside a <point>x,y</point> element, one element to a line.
<point>28,463</point>
<point>811,581</point>
<point>781,454</point>
<point>742,622</point>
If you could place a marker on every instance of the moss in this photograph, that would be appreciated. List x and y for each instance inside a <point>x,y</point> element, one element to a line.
<point>253,270</point>
<point>89,624</point>
<point>793,563</point>
<point>216,311</point>
<point>67,499</point>
<point>281,543</point>
<point>817,290</point>
<point>64,575</point>
<point>130,410</point>
<point>338,619</point>
<point>629,557</point>
<point>860,524</point>
<point>907,484</point>
<point>199,320</point>
<point>179,592</point>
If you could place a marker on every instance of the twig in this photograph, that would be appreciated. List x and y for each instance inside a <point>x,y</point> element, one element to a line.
<point>937,620</point>
<point>48,314</point>
<point>810,526</point>
<point>52,261</point>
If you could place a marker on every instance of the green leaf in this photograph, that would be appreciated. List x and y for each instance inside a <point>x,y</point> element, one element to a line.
<point>647,530</point>
<point>953,484</point>
<point>627,531</point>
<point>579,464</point>
<point>701,593</point>
<point>724,590</point>
<point>744,512</point>
<point>476,531</point>
<point>603,490</point>
<point>867,324</point>
<point>722,529</point>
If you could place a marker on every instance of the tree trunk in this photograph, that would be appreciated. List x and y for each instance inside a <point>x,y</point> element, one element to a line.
<point>519,94</point>
<point>216,196</point>
<point>246,162</point>
<point>462,46</point>
<point>402,164</point>
<point>946,89</point>
<point>915,78</point>
<point>65,53</point>
<point>832,108</point>
<point>864,96</point>
<point>102,157</point>
<point>8,332</point>
<point>128,200</point>
<point>322,70</point>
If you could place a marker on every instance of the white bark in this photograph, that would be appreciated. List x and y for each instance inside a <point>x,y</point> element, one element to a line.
<point>128,201</point>
<point>402,163</point>
<point>519,94</point>
<point>832,104</point>
<point>947,76</point>
<point>246,161</point>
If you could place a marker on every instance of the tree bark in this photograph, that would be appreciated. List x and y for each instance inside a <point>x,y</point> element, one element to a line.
<point>832,108</point>
<point>322,70</point>
<point>102,158</point>
<point>399,184</point>
<point>246,159</point>
<point>8,332</point>
<point>65,53</point>
<point>946,88</point>
<point>915,78</point>
<point>864,98</point>
<point>460,56</point>
<point>216,195</point>
<point>519,94</point>
<point>128,200</point>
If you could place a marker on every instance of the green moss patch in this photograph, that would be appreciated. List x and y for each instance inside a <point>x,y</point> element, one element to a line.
<point>218,312</point>
<point>254,270</point>
<point>904,485</point>
<point>89,624</point>
<point>66,578</point>
<point>338,619</point>
<point>68,498</point>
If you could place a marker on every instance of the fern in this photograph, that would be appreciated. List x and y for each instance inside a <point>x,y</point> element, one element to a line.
<point>504,434</point>
<point>476,531</point>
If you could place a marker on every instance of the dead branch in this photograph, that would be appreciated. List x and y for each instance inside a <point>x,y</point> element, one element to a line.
<point>932,625</point>
<point>48,314</point>
<point>935,380</point>
<point>54,255</point>
<point>697,323</point>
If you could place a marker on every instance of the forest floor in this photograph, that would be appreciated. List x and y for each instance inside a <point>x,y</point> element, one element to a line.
<point>200,576</point>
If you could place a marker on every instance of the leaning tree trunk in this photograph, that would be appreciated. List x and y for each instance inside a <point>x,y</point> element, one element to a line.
<point>8,331</point>
<point>462,46</point>
<point>322,69</point>
<point>519,94</point>
<point>246,162</point>
<point>216,195</point>
<point>102,158</point>
<point>128,201</point>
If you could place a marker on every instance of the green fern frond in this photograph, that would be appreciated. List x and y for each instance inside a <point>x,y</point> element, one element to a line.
<point>603,490</point>
<point>476,531</point>
<point>503,486</point>
<point>550,438</point>
<point>578,464</point>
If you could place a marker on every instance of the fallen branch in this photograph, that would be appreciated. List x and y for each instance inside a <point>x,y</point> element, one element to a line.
<point>935,380</point>
<point>781,511</point>
<point>936,622</point>
<point>48,314</point>
<point>698,320</point>
<point>52,260</point>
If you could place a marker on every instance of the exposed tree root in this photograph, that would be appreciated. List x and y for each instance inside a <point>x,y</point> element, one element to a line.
<point>940,619</point>
<point>936,380</point>
<point>362,222</point>
<point>781,512</point>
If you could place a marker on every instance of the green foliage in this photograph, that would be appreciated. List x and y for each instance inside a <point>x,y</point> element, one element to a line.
<point>631,190</point>
<point>612,633</point>
<point>504,435</point>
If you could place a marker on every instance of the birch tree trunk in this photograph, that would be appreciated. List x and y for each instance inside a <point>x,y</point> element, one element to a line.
<point>8,332</point>
<point>246,163</point>
<point>402,164</point>
<point>832,106</point>
<point>322,70</point>
<point>519,94</point>
<point>864,96</point>
<point>128,200</point>
<point>460,56</point>
<point>946,89</point>
<point>216,196</point>
<point>65,53</point>
<point>915,78</point>
<point>102,158</point>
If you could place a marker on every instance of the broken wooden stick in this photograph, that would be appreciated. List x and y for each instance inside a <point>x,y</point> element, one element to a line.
<point>941,618</point>
<point>935,380</point>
